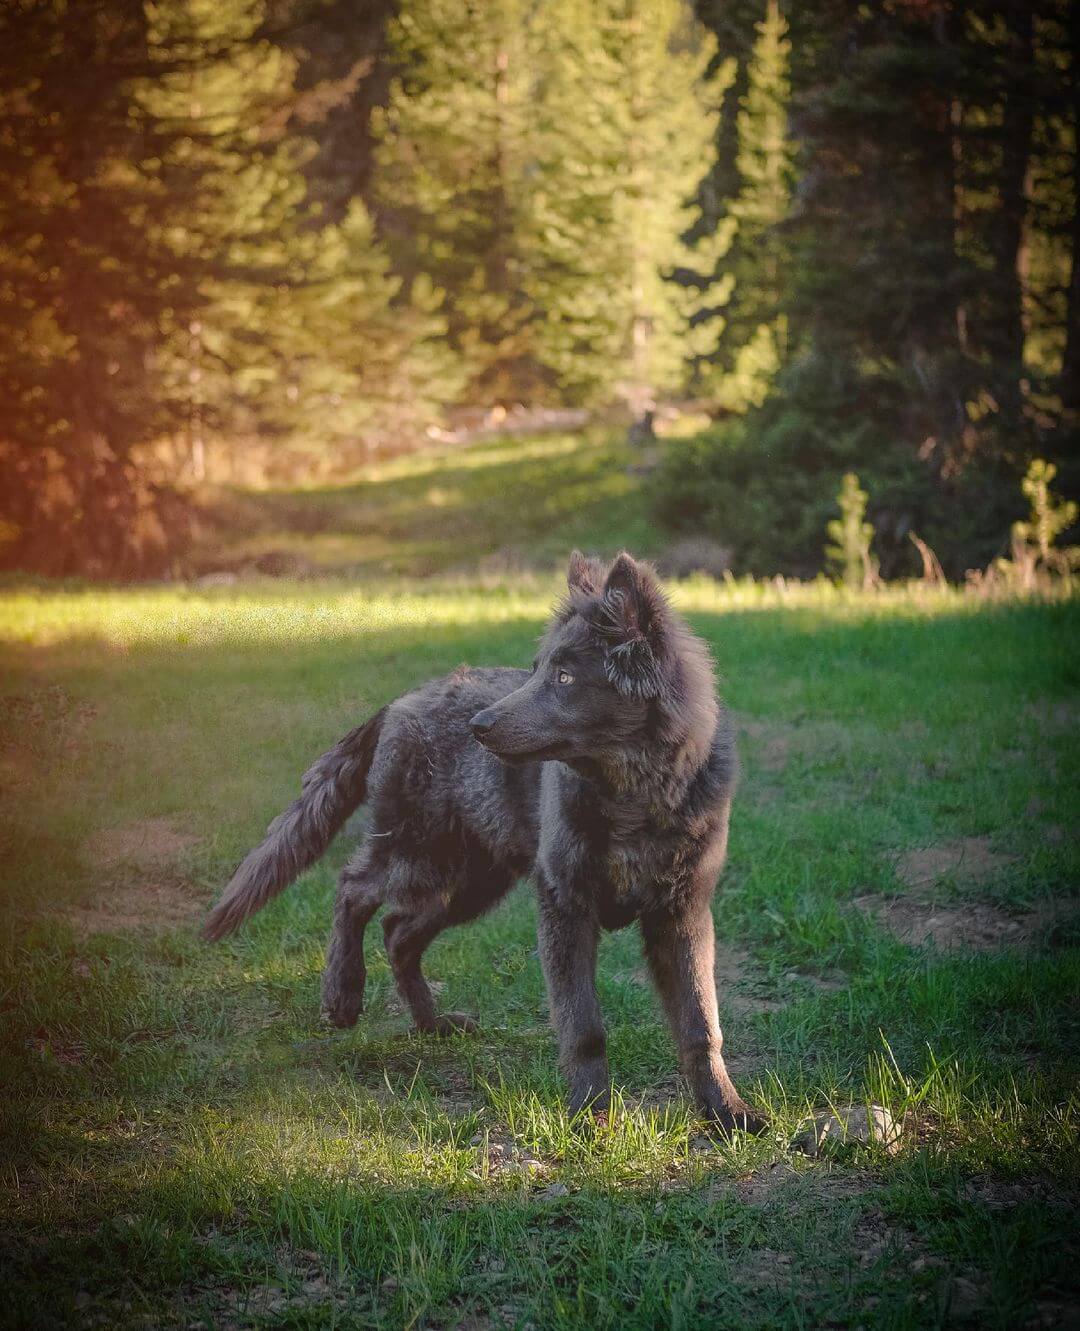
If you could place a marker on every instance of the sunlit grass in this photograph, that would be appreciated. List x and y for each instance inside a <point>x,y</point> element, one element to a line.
<point>264,610</point>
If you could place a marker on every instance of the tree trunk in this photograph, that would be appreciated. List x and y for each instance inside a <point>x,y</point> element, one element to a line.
<point>1017,125</point>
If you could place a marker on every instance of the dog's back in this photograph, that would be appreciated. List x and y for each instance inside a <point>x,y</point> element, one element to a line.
<point>431,785</point>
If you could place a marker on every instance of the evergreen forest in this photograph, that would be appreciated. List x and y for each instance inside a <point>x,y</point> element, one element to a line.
<point>315,229</point>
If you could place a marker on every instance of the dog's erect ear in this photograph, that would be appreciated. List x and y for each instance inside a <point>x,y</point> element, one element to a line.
<point>583,574</point>
<point>627,595</point>
<point>630,610</point>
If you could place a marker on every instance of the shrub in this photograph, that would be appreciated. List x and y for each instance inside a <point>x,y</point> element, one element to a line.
<point>764,486</point>
<point>851,536</point>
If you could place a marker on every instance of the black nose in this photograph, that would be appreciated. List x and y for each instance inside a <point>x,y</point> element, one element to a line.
<point>481,724</point>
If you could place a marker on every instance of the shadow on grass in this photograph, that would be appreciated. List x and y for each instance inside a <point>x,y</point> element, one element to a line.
<point>251,1238</point>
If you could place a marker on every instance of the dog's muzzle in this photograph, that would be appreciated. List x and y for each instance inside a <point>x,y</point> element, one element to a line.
<point>482,725</point>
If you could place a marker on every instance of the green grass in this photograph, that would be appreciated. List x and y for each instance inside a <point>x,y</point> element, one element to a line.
<point>182,1144</point>
<point>518,502</point>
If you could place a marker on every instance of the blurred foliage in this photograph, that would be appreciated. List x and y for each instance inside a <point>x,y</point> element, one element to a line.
<point>929,280</point>
<point>768,494</point>
<point>1037,562</point>
<point>1049,515</point>
<point>162,270</point>
<point>851,232</point>
<point>539,162</point>
<point>750,339</point>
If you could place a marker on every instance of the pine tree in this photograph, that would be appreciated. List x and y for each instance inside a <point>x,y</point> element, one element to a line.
<point>539,164</point>
<point>755,335</point>
<point>301,325</point>
<point>450,181</point>
<point>627,113</point>
<point>851,535</point>
<point>85,275</point>
<point>164,272</point>
<point>1070,368</point>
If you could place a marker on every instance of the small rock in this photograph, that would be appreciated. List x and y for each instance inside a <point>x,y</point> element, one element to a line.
<point>853,1124</point>
<point>965,1297</point>
<point>528,1164</point>
<point>554,1190</point>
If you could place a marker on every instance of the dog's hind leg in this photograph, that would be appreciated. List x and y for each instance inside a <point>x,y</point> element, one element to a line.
<point>418,913</point>
<point>359,896</point>
<point>407,937</point>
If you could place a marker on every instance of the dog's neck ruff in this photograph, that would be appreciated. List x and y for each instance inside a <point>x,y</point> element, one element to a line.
<point>660,772</point>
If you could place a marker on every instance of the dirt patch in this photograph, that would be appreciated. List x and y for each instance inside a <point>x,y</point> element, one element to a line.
<point>873,1239</point>
<point>1003,1195</point>
<point>829,982</point>
<point>732,970</point>
<point>146,845</point>
<point>777,1179</point>
<point>760,1188</point>
<point>139,885</point>
<point>974,925</point>
<point>56,1048</point>
<point>872,1243</point>
<point>158,904</point>
<point>764,1268</point>
<point>969,859</point>
<point>768,742</point>
<point>499,1154</point>
<point>300,1288</point>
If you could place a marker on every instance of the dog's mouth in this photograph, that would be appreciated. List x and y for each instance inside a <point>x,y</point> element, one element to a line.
<point>545,753</point>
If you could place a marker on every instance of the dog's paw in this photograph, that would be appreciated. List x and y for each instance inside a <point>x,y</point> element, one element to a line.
<point>736,1116</point>
<point>455,1023</point>
<point>341,1007</point>
<point>590,1100</point>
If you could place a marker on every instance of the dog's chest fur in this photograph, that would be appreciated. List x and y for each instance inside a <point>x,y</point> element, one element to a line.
<point>631,856</point>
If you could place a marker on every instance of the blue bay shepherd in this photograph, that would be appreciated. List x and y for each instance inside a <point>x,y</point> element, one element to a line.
<point>607,771</point>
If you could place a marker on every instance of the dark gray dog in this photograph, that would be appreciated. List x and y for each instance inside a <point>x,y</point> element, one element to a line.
<point>607,770</point>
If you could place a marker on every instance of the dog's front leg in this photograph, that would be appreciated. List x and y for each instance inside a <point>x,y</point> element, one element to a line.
<point>680,950</point>
<point>568,943</point>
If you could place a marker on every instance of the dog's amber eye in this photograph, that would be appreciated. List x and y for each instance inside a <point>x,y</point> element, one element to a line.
<point>565,677</point>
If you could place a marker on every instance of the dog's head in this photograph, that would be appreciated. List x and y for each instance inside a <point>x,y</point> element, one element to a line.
<point>615,666</point>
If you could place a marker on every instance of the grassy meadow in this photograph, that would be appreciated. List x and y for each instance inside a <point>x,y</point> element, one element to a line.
<point>181,1142</point>
<point>500,503</point>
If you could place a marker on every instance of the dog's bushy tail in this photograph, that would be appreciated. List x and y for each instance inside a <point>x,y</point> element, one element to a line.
<point>333,787</point>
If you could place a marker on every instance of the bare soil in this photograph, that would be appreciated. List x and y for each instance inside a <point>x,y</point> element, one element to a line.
<point>970,859</point>
<point>149,844</point>
<point>976,926</point>
<point>141,886</point>
<point>768,741</point>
